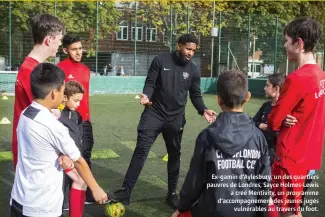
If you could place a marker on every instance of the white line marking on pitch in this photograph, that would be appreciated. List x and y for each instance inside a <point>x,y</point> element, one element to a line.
<point>6,181</point>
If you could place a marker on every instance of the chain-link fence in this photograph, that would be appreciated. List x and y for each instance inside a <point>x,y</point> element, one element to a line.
<point>129,34</point>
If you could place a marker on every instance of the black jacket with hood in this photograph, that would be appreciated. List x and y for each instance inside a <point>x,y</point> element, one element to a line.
<point>73,121</point>
<point>229,174</point>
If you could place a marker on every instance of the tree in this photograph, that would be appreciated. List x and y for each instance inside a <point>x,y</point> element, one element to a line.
<point>263,22</point>
<point>78,18</point>
<point>170,17</point>
<point>84,22</point>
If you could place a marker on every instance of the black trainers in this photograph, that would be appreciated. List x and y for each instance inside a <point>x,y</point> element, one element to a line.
<point>121,195</point>
<point>172,200</point>
<point>66,198</point>
<point>65,203</point>
<point>89,197</point>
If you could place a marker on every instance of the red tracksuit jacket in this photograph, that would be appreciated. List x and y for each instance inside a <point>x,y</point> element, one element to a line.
<point>23,98</point>
<point>81,73</point>
<point>303,96</point>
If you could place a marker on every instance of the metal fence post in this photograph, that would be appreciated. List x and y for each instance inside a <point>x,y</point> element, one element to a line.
<point>212,40</point>
<point>219,45</point>
<point>188,17</point>
<point>248,41</point>
<point>97,22</point>
<point>135,39</point>
<point>276,43</point>
<point>171,26</point>
<point>10,31</point>
<point>54,7</point>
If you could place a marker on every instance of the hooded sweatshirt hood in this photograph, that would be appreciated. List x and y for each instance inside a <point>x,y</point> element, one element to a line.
<point>231,132</point>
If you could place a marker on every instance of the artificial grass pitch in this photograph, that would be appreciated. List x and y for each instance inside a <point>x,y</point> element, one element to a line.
<point>131,146</point>
<point>96,154</point>
<point>5,156</point>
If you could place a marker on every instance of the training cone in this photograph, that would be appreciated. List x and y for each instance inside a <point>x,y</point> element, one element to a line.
<point>4,93</point>
<point>5,121</point>
<point>114,209</point>
<point>137,97</point>
<point>4,98</point>
<point>165,158</point>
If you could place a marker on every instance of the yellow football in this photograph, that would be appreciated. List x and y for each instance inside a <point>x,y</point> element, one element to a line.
<point>114,209</point>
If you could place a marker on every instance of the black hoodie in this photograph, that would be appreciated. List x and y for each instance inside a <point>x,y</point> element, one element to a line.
<point>230,172</point>
<point>73,121</point>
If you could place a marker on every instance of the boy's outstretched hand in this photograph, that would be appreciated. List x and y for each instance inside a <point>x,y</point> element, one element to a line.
<point>210,115</point>
<point>99,195</point>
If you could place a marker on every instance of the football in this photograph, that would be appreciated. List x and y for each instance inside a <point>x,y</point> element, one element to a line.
<point>114,209</point>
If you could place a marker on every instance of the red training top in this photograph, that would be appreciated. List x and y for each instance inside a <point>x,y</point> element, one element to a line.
<point>81,73</point>
<point>23,98</point>
<point>302,96</point>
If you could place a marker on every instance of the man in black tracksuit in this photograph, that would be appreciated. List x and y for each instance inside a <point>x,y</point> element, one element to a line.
<point>229,173</point>
<point>170,77</point>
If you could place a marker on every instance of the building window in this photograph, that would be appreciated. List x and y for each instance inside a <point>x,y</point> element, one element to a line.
<point>137,32</point>
<point>122,34</point>
<point>151,34</point>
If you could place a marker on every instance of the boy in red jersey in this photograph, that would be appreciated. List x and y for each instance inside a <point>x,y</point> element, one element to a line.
<point>47,34</point>
<point>75,70</point>
<point>299,147</point>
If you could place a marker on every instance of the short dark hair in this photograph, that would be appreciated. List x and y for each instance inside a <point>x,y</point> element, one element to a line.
<point>70,39</point>
<point>276,80</point>
<point>44,25</point>
<point>73,87</point>
<point>308,29</point>
<point>44,78</point>
<point>232,87</point>
<point>187,38</point>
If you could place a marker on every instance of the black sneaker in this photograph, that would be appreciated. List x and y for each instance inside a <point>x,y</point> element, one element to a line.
<point>121,195</point>
<point>172,200</point>
<point>65,204</point>
<point>89,197</point>
<point>66,198</point>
